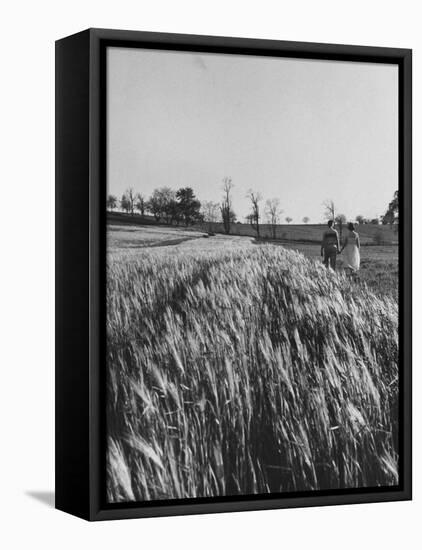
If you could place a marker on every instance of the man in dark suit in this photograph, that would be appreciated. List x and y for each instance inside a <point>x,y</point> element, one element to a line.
<point>330,246</point>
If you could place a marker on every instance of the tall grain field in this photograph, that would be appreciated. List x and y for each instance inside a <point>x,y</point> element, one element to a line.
<point>246,371</point>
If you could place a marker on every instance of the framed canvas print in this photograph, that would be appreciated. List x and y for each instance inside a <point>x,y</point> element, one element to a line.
<point>233,274</point>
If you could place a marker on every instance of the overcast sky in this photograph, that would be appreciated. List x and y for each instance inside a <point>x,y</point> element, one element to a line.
<point>303,131</point>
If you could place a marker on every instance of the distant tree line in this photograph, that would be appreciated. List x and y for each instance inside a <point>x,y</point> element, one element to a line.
<point>390,217</point>
<point>165,205</point>
<point>183,207</point>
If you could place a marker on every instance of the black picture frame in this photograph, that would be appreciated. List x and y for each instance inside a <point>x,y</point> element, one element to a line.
<point>80,271</point>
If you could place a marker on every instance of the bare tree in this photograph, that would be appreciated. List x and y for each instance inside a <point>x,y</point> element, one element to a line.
<point>130,198</point>
<point>273,213</point>
<point>330,209</point>
<point>289,219</point>
<point>340,220</point>
<point>124,203</point>
<point>255,199</point>
<point>305,219</point>
<point>209,212</point>
<point>227,214</point>
<point>140,204</point>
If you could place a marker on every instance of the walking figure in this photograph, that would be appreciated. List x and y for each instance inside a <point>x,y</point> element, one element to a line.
<point>330,246</point>
<point>351,249</point>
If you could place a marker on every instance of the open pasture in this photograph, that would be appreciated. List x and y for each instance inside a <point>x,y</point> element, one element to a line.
<point>310,233</point>
<point>379,267</point>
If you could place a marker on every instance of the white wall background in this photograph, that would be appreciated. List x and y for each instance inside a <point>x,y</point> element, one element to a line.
<point>27,271</point>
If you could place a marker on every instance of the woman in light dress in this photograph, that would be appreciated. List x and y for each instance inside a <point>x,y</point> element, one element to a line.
<point>351,248</point>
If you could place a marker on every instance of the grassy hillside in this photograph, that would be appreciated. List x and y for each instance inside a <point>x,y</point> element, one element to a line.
<point>311,233</point>
<point>246,371</point>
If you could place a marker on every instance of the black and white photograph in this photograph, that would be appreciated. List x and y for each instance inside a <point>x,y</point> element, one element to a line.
<point>207,304</point>
<point>252,279</point>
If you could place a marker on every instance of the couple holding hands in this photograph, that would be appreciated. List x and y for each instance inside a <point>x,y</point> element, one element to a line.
<point>330,248</point>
